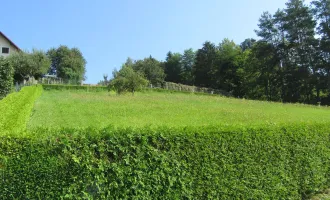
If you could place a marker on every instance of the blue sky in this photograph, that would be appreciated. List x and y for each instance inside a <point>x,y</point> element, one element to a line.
<point>109,31</point>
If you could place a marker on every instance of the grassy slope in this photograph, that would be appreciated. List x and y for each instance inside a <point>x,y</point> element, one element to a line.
<point>81,109</point>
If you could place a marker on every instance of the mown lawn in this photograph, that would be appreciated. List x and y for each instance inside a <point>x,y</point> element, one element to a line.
<point>99,109</point>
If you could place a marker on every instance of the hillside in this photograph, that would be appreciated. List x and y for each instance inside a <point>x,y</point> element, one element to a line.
<point>159,145</point>
<point>99,109</point>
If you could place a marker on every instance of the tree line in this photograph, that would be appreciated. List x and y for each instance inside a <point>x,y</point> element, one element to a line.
<point>290,62</point>
<point>63,63</point>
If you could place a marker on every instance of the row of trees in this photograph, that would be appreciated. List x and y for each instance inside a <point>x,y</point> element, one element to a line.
<point>289,63</point>
<point>62,62</point>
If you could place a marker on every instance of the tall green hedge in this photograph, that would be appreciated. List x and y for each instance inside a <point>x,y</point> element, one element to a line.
<point>16,108</point>
<point>6,77</point>
<point>188,163</point>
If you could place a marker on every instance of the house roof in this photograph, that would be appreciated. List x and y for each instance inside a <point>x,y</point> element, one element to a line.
<point>11,42</point>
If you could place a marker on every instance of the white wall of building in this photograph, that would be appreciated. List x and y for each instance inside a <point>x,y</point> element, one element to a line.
<point>5,43</point>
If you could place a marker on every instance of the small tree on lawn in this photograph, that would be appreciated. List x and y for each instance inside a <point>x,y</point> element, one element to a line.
<point>127,80</point>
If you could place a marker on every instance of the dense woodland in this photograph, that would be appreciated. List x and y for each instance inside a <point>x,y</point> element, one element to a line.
<point>289,63</point>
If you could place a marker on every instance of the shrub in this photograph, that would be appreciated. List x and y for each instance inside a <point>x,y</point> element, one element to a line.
<point>166,163</point>
<point>6,77</point>
<point>127,80</point>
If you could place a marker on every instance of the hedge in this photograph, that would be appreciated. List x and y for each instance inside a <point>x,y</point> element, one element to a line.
<point>75,87</point>
<point>16,108</point>
<point>104,88</point>
<point>275,162</point>
<point>6,77</point>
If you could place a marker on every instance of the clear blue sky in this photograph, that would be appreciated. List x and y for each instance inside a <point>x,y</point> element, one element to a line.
<point>109,31</point>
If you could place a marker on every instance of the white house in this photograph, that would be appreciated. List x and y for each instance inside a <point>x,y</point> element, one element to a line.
<point>7,46</point>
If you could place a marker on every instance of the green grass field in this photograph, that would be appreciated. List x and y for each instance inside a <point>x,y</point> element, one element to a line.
<point>81,109</point>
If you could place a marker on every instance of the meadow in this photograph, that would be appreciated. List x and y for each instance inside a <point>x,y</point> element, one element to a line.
<point>72,109</point>
<point>76,144</point>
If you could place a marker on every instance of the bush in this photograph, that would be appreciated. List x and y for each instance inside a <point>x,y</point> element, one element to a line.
<point>6,77</point>
<point>16,108</point>
<point>182,163</point>
<point>75,87</point>
<point>127,80</point>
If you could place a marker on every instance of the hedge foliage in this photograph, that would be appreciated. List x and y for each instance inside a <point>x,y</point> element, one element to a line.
<point>16,108</point>
<point>166,163</point>
<point>75,87</point>
<point>6,77</point>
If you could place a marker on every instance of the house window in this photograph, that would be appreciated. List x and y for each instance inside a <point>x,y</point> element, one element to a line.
<point>5,50</point>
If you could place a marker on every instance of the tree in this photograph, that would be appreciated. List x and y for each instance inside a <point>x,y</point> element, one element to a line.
<point>224,74</point>
<point>187,62</point>
<point>27,65</point>
<point>6,77</point>
<point>151,69</point>
<point>264,70</point>
<point>68,64</point>
<point>322,12</point>
<point>126,79</point>
<point>247,44</point>
<point>41,63</point>
<point>206,59</point>
<point>299,26</point>
<point>129,62</point>
<point>290,33</point>
<point>173,67</point>
<point>105,80</point>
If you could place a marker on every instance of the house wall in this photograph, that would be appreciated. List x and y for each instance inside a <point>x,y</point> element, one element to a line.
<point>6,43</point>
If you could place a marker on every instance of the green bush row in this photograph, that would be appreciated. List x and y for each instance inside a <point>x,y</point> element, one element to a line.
<point>75,87</point>
<point>188,163</point>
<point>15,109</point>
<point>104,88</point>
<point>6,77</point>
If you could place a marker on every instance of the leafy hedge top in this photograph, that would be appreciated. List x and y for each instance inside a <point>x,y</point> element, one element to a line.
<point>16,108</point>
<point>166,163</point>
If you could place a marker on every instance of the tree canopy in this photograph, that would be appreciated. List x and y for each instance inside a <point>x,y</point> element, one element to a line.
<point>127,80</point>
<point>67,63</point>
<point>27,65</point>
